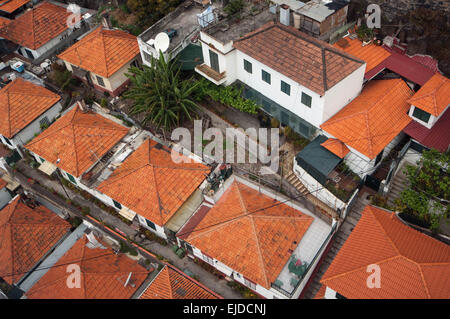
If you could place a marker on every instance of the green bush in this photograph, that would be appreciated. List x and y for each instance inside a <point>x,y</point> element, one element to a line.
<point>234,6</point>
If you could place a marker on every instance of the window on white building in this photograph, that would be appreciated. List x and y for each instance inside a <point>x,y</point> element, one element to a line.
<point>247,66</point>
<point>421,115</point>
<point>285,88</point>
<point>249,283</point>
<point>208,259</point>
<point>147,57</point>
<point>265,76</point>
<point>306,99</point>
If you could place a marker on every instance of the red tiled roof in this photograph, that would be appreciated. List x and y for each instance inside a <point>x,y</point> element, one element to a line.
<point>79,139</point>
<point>321,293</point>
<point>26,235</point>
<point>173,284</point>
<point>437,137</point>
<point>434,96</point>
<point>374,118</point>
<point>404,66</point>
<point>38,26</point>
<point>102,52</point>
<point>21,102</point>
<point>4,21</point>
<point>371,53</point>
<point>10,6</point>
<point>163,185</point>
<point>3,183</point>
<point>412,264</point>
<point>256,245</point>
<point>103,275</point>
<point>336,147</point>
<point>308,61</point>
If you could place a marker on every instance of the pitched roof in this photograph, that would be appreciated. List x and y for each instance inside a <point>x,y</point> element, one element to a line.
<point>78,139</point>
<point>308,61</point>
<point>412,264</point>
<point>336,147</point>
<point>437,137</point>
<point>4,21</point>
<point>434,96</point>
<point>374,118</point>
<point>3,183</point>
<point>103,275</point>
<point>163,185</point>
<point>12,5</point>
<point>103,51</point>
<point>37,26</point>
<point>26,235</point>
<point>21,102</point>
<point>170,283</point>
<point>371,53</point>
<point>256,245</point>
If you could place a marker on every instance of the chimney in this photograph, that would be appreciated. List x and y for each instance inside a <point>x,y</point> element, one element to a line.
<point>106,22</point>
<point>82,105</point>
<point>296,21</point>
<point>285,14</point>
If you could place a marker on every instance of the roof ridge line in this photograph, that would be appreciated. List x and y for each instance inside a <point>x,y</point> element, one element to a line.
<point>75,151</point>
<point>104,51</point>
<point>422,276</point>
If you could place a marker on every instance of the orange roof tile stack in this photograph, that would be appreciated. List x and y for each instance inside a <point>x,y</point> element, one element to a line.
<point>371,53</point>
<point>412,264</point>
<point>434,96</point>
<point>253,241</point>
<point>103,275</point>
<point>37,26</point>
<point>163,185</point>
<point>21,102</point>
<point>26,235</point>
<point>336,147</point>
<point>374,118</point>
<point>10,6</point>
<point>170,283</point>
<point>103,51</point>
<point>78,139</point>
<point>308,61</point>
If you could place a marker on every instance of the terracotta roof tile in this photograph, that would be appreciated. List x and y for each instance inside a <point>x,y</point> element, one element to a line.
<point>4,21</point>
<point>103,275</point>
<point>3,183</point>
<point>103,51</point>
<point>10,6</point>
<point>304,59</point>
<point>78,139</point>
<point>26,235</point>
<point>256,245</point>
<point>163,185</point>
<point>321,293</point>
<point>21,102</point>
<point>374,118</point>
<point>336,147</point>
<point>173,284</point>
<point>412,264</point>
<point>434,96</point>
<point>38,26</point>
<point>372,54</point>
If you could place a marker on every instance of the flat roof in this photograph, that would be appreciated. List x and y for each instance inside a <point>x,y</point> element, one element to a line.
<point>319,10</point>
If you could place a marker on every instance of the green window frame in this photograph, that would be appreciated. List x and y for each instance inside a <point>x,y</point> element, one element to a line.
<point>265,76</point>
<point>421,115</point>
<point>285,88</point>
<point>150,224</point>
<point>71,178</point>
<point>248,66</point>
<point>117,204</point>
<point>306,99</point>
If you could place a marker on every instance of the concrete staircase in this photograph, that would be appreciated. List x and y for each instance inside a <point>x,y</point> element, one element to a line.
<point>399,183</point>
<point>338,241</point>
<point>294,181</point>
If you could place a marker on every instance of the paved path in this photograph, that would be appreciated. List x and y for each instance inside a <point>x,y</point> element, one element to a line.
<point>206,278</point>
<point>339,239</point>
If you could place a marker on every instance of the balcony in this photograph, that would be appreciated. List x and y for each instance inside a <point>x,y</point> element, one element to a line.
<point>211,74</point>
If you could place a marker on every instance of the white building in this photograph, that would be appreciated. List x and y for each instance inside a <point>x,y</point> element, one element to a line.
<point>26,110</point>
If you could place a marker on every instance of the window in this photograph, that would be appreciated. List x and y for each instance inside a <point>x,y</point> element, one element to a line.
<point>306,99</point>
<point>29,54</point>
<point>135,63</point>
<point>44,122</point>
<point>247,66</point>
<point>118,205</point>
<point>42,160</point>
<point>379,157</point>
<point>150,224</point>
<point>100,80</point>
<point>7,140</point>
<point>147,57</point>
<point>214,60</point>
<point>71,178</point>
<point>249,284</point>
<point>208,259</point>
<point>285,88</point>
<point>265,76</point>
<point>421,115</point>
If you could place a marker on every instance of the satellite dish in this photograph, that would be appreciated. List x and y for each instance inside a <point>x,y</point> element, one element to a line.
<point>162,42</point>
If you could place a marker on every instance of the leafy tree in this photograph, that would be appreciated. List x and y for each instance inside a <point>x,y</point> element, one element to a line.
<point>160,93</point>
<point>428,193</point>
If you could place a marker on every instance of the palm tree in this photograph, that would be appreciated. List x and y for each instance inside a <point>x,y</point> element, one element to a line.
<point>160,94</point>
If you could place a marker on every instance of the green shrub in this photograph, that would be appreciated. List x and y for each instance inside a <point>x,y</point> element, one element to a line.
<point>234,6</point>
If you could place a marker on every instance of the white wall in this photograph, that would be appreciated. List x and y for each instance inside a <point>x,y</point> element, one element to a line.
<point>5,197</point>
<point>46,47</point>
<point>433,119</point>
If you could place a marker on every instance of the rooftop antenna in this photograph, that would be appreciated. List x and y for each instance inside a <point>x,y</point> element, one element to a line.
<point>128,279</point>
